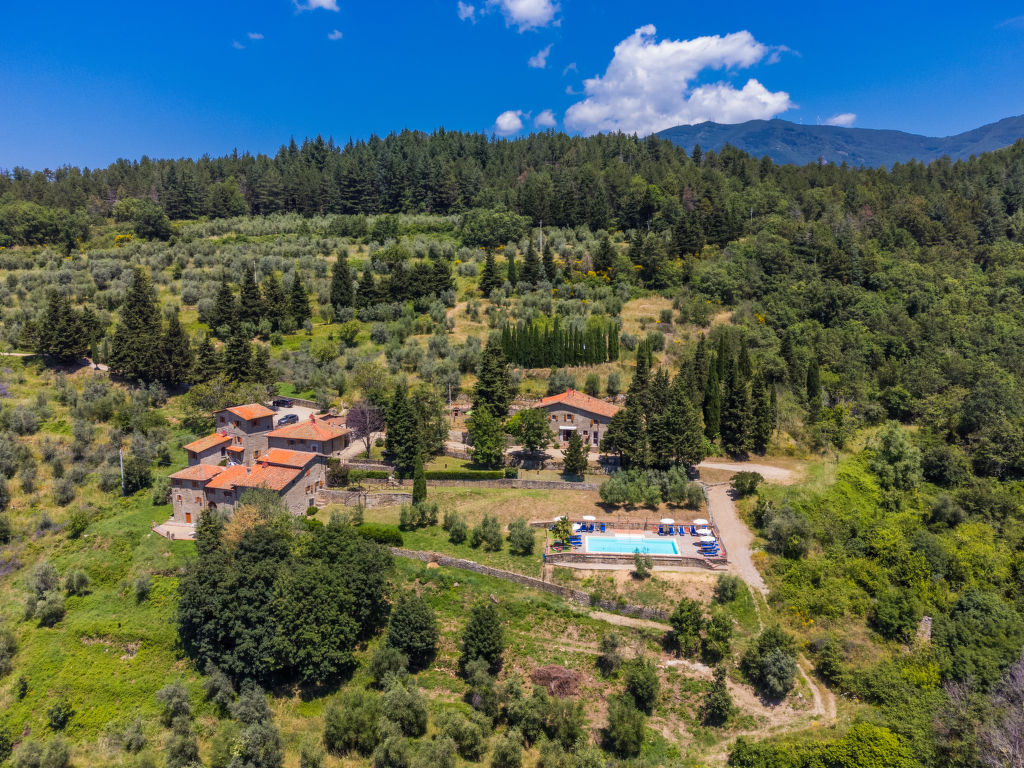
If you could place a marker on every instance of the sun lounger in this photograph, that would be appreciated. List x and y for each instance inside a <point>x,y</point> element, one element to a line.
<point>693,530</point>
<point>661,530</point>
<point>671,530</point>
<point>602,527</point>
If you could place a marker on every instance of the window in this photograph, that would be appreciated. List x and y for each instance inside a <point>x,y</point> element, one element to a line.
<point>554,417</point>
<point>221,419</point>
<point>198,500</point>
<point>179,498</point>
<point>256,455</point>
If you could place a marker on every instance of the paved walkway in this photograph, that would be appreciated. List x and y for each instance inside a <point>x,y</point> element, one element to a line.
<point>175,531</point>
<point>734,532</point>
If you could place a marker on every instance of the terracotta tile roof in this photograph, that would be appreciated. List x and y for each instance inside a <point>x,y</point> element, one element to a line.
<point>206,443</point>
<point>236,448</point>
<point>250,412</point>
<point>285,458</point>
<point>308,430</point>
<point>275,478</point>
<point>582,401</point>
<point>227,479</point>
<point>201,472</point>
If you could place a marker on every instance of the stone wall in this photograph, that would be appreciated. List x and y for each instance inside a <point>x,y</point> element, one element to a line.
<point>539,485</point>
<point>573,595</point>
<point>626,561</point>
<point>368,500</point>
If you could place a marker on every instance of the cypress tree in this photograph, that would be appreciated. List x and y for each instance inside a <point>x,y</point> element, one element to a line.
<point>532,268</point>
<point>761,419</point>
<point>298,301</point>
<point>549,262</point>
<point>260,370</point>
<point>813,390</point>
<point>494,389</point>
<point>483,638</point>
<point>419,481</point>
<point>489,278</point>
<point>604,256</point>
<point>575,455</point>
<point>275,303</point>
<point>208,362</point>
<point>513,273</point>
<point>136,351</point>
<point>367,294</point>
<point>402,439</point>
<point>238,355</point>
<point>250,303</point>
<point>613,342</point>
<point>735,424</point>
<point>341,283</point>
<point>720,358</point>
<point>712,404</point>
<point>744,367</point>
<point>225,310</point>
<point>180,358</point>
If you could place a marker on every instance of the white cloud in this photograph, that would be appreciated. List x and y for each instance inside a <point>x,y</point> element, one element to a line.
<point>545,119</point>
<point>255,35</point>
<point>570,67</point>
<point>844,119</point>
<point>466,11</point>
<point>1015,22</point>
<point>237,45</point>
<point>509,122</point>
<point>648,85</point>
<point>527,14</point>
<point>335,35</point>
<point>541,59</point>
<point>312,5</point>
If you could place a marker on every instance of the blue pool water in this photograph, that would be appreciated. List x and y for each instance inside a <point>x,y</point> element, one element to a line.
<point>630,544</point>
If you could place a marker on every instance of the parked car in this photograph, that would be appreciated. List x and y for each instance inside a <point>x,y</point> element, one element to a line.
<point>282,402</point>
<point>290,418</point>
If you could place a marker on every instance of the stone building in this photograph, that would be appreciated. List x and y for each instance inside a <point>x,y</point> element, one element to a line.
<point>314,435</point>
<point>211,449</point>
<point>573,411</point>
<point>247,426</point>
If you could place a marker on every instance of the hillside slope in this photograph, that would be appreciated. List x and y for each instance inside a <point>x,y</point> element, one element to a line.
<point>787,142</point>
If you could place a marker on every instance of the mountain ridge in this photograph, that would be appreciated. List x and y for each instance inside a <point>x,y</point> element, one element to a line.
<point>788,142</point>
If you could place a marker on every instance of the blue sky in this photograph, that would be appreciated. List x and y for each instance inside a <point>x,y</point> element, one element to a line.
<point>87,83</point>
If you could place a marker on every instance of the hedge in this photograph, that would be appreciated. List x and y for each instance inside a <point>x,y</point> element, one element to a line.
<point>465,474</point>
<point>382,534</point>
<point>367,474</point>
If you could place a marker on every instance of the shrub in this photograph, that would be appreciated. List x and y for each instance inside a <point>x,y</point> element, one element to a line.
<point>717,703</point>
<point>8,647</point>
<point>770,662</point>
<point>469,736</point>
<point>59,715</point>
<point>218,689</point>
<point>727,587</point>
<point>51,610</point>
<point>43,578</point>
<point>5,522</point>
<point>508,751</point>
<point>687,622</point>
<point>488,533</point>
<point>511,473</point>
<point>642,565</point>
<point>77,583</point>
<point>382,534</point>
<point>745,483</point>
<point>642,683</point>
<point>311,755</point>
<point>624,735</point>
<point>350,723</point>
<point>143,586</point>
<point>77,522</point>
<point>404,705</point>
<point>483,638</point>
<point>337,476</point>
<point>161,492</point>
<point>458,531</point>
<point>895,614</point>
<point>609,660</point>
<point>392,749</point>
<point>311,511</point>
<point>174,700</point>
<point>717,643</point>
<point>64,492</point>
<point>133,738</point>
<point>387,662</point>
<point>520,537</point>
<point>439,753</point>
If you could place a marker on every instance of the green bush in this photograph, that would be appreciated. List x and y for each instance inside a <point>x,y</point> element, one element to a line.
<point>511,473</point>
<point>624,734</point>
<point>350,723</point>
<point>77,522</point>
<point>368,474</point>
<point>470,736</point>
<point>727,587</point>
<point>745,483</point>
<point>403,704</point>
<point>488,533</point>
<point>642,683</point>
<point>770,662</point>
<point>717,704</point>
<point>521,537</point>
<point>413,630</point>
<point>382,534</point>
<point>386,663</point>
<point>59,715</point>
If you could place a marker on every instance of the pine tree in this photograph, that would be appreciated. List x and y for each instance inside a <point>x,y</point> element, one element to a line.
<point>604,256</point>
<point>489,277</point>
<point>260,370</point>
<point>180,358</point>
<point>735,423</point>
<point>367,293</point>
<point>483,638</point>
<point>712,404</point>
<point>238,355</point>
<point>532,268</point>
<point>743,365</point>
<point>250,303</point>
<point>761,418</point>
<point>61,334</point>
<point>627,437</point>
<point>208,362</point>
<point>513,273</point>
<point>136,350</point>
<point>575,455</point>
<point>225,310</point>
<point>494,389</point>
<point>549,262</point>
<point>341,284</point>
<point>298,301</point>
<point>402,438</point>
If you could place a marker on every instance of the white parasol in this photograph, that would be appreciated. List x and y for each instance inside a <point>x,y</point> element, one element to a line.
<point>700,521</point>
<point>708,539</point>
<point>589,517</point>
<point>667,520</point>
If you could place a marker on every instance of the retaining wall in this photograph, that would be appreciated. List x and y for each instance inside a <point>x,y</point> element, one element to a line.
<point>573,595</point>
<point>368,500</point>
<point>608,558</point>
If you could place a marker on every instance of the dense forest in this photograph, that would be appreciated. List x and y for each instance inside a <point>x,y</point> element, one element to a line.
<point>872,319</point>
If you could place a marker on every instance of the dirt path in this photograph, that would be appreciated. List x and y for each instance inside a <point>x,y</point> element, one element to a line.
<point>737,537</point>
<point>628,621</point>
<point>779,475</point>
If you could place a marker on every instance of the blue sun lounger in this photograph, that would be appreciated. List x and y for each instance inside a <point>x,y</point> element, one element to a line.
<point>602,527</point>
<point>661,530</point>
<point>671,530</point>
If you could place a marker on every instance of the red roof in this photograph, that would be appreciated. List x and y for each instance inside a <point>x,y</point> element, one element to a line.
<point>582,401</point>
<point>206,443</point>
<point>202,472</point>
<point>308,430</point>
<point>236,448</point>
<point>285,458</point>
<point>275,478</point>
<point>226,480</point>
<point>249,412</point>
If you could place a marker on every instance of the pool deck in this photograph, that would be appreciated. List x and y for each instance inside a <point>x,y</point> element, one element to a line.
<point>687,554</point>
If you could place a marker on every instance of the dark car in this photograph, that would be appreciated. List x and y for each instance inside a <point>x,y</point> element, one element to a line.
<point>282,403</point>
<point>290,418</point>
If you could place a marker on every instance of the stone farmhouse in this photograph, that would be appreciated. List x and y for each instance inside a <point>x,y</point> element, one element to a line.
<point>247,452</point>
<point>574,411</point>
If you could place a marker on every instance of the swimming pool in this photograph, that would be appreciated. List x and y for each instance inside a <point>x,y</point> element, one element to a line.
<point>629,544</point>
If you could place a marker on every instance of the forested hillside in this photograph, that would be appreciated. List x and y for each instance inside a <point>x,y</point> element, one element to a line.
<point>868,321</point>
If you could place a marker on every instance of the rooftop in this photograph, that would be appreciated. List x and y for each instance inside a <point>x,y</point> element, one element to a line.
<point>272,477</point>
<point>228,477</point>
<point>202,472</point>
<point>249,412</point>
<point>285,458</point>
<point>308,430</point>
<point>582,401</point>
<point>206,443</point>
